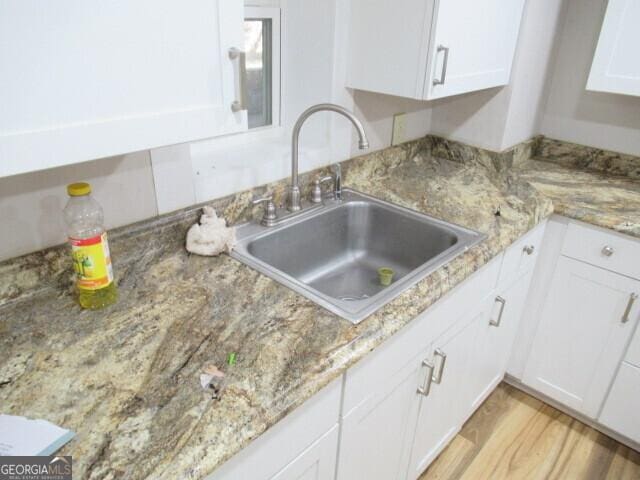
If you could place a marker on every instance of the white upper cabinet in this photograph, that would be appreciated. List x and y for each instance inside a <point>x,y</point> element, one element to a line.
<point>85,79</point>
<point>616,64</point>
<point>432,49</point>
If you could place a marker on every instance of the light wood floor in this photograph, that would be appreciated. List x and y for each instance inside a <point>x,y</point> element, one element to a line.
<point>515,436</point>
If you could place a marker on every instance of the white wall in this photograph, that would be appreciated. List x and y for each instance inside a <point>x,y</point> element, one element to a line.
<point>31,204</point>
<point>573,114</point>
<point>376,112</point>
<point>476,118</point>
<point>537,46</point>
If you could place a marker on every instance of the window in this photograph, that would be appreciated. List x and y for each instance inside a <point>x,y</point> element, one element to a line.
<point>262,48</point>
<point>233,163</point>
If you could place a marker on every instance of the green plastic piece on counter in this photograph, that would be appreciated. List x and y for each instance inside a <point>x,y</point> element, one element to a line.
<point>385,275</point>
<point>231,358</point>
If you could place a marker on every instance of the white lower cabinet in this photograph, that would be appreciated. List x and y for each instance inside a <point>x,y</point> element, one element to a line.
<point>383,408</point>
<point>318,462</point>
<point>621,412</point>
<point>468,361</point>
<point>583,330</point>
<point>376,433</point>
<point>495,337</point>
<point>302,446</point>
<point>444,406</point>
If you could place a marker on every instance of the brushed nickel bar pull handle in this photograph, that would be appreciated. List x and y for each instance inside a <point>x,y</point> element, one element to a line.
<point>437,378</point>
<point>426,387</point>
<point>632,298</point>
<point>502,302</point>
<point>240,103</point>
<point>445,61</point>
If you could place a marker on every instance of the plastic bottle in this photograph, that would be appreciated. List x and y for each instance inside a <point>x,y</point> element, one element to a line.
<point>89,248</point>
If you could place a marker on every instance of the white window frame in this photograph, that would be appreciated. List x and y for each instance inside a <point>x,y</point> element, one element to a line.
<point>267,132</point>
<point>273,14</point>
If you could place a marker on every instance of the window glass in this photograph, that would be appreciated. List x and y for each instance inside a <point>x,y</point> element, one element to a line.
<point>258,48</point>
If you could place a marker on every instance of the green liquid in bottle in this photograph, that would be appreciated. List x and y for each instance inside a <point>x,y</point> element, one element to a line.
<point>96,299</point>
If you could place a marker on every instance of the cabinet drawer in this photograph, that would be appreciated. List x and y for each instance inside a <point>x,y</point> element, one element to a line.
<point>590,245</point>
<point>521,257</point>
<point>633,353</point>
<point>621,412</point>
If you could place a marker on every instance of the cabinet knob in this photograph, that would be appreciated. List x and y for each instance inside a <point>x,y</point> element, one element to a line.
<point>607,250</point>
<point>529,249</point>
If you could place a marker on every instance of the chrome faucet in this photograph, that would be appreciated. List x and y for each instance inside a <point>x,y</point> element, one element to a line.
<point>293,203</point>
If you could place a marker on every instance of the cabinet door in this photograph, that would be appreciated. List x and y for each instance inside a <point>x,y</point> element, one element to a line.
<point>388,46</point>
<point>91,79</point>
<point>376,434</point>
<point>318,462</point>
<point>304,444</point>
<point>442,412</point>
<point>620,412</point>
<point>473,45</point>
<point>616,63</point>
<point>496,334</point>
<point>582,332</point>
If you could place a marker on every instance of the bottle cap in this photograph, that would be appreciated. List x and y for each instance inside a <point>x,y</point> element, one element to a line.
<point>78,189</point>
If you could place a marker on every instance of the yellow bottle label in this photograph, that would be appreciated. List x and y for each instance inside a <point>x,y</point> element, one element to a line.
<point>92,262</point>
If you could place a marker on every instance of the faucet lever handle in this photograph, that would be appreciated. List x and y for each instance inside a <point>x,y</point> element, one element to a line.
<point>269,217</point>
<point>325,179</point>
<point>267,197</point>
<point>316,191</point>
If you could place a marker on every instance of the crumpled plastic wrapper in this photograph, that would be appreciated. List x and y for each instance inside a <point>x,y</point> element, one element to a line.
<point>212,380</point>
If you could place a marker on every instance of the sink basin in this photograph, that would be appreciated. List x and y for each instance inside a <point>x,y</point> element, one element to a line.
<point>331,253</point>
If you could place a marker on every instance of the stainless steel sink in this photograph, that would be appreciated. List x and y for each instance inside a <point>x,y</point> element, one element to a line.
<point>331,253</point>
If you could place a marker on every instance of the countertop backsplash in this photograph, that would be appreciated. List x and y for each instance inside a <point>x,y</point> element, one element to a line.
<point>50,268</point>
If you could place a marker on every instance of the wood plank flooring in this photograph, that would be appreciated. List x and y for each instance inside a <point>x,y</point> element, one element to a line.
<point>515,436</point>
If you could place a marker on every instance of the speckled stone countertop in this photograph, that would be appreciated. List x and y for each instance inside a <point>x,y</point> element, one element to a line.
<point>126,379</point>
<point>603,200</point>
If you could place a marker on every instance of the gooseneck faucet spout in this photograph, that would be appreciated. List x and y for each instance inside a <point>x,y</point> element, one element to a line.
<point>293,204</point>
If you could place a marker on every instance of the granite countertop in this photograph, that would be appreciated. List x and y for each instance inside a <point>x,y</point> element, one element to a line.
<point>126,379</point>
<point>608,201</point>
